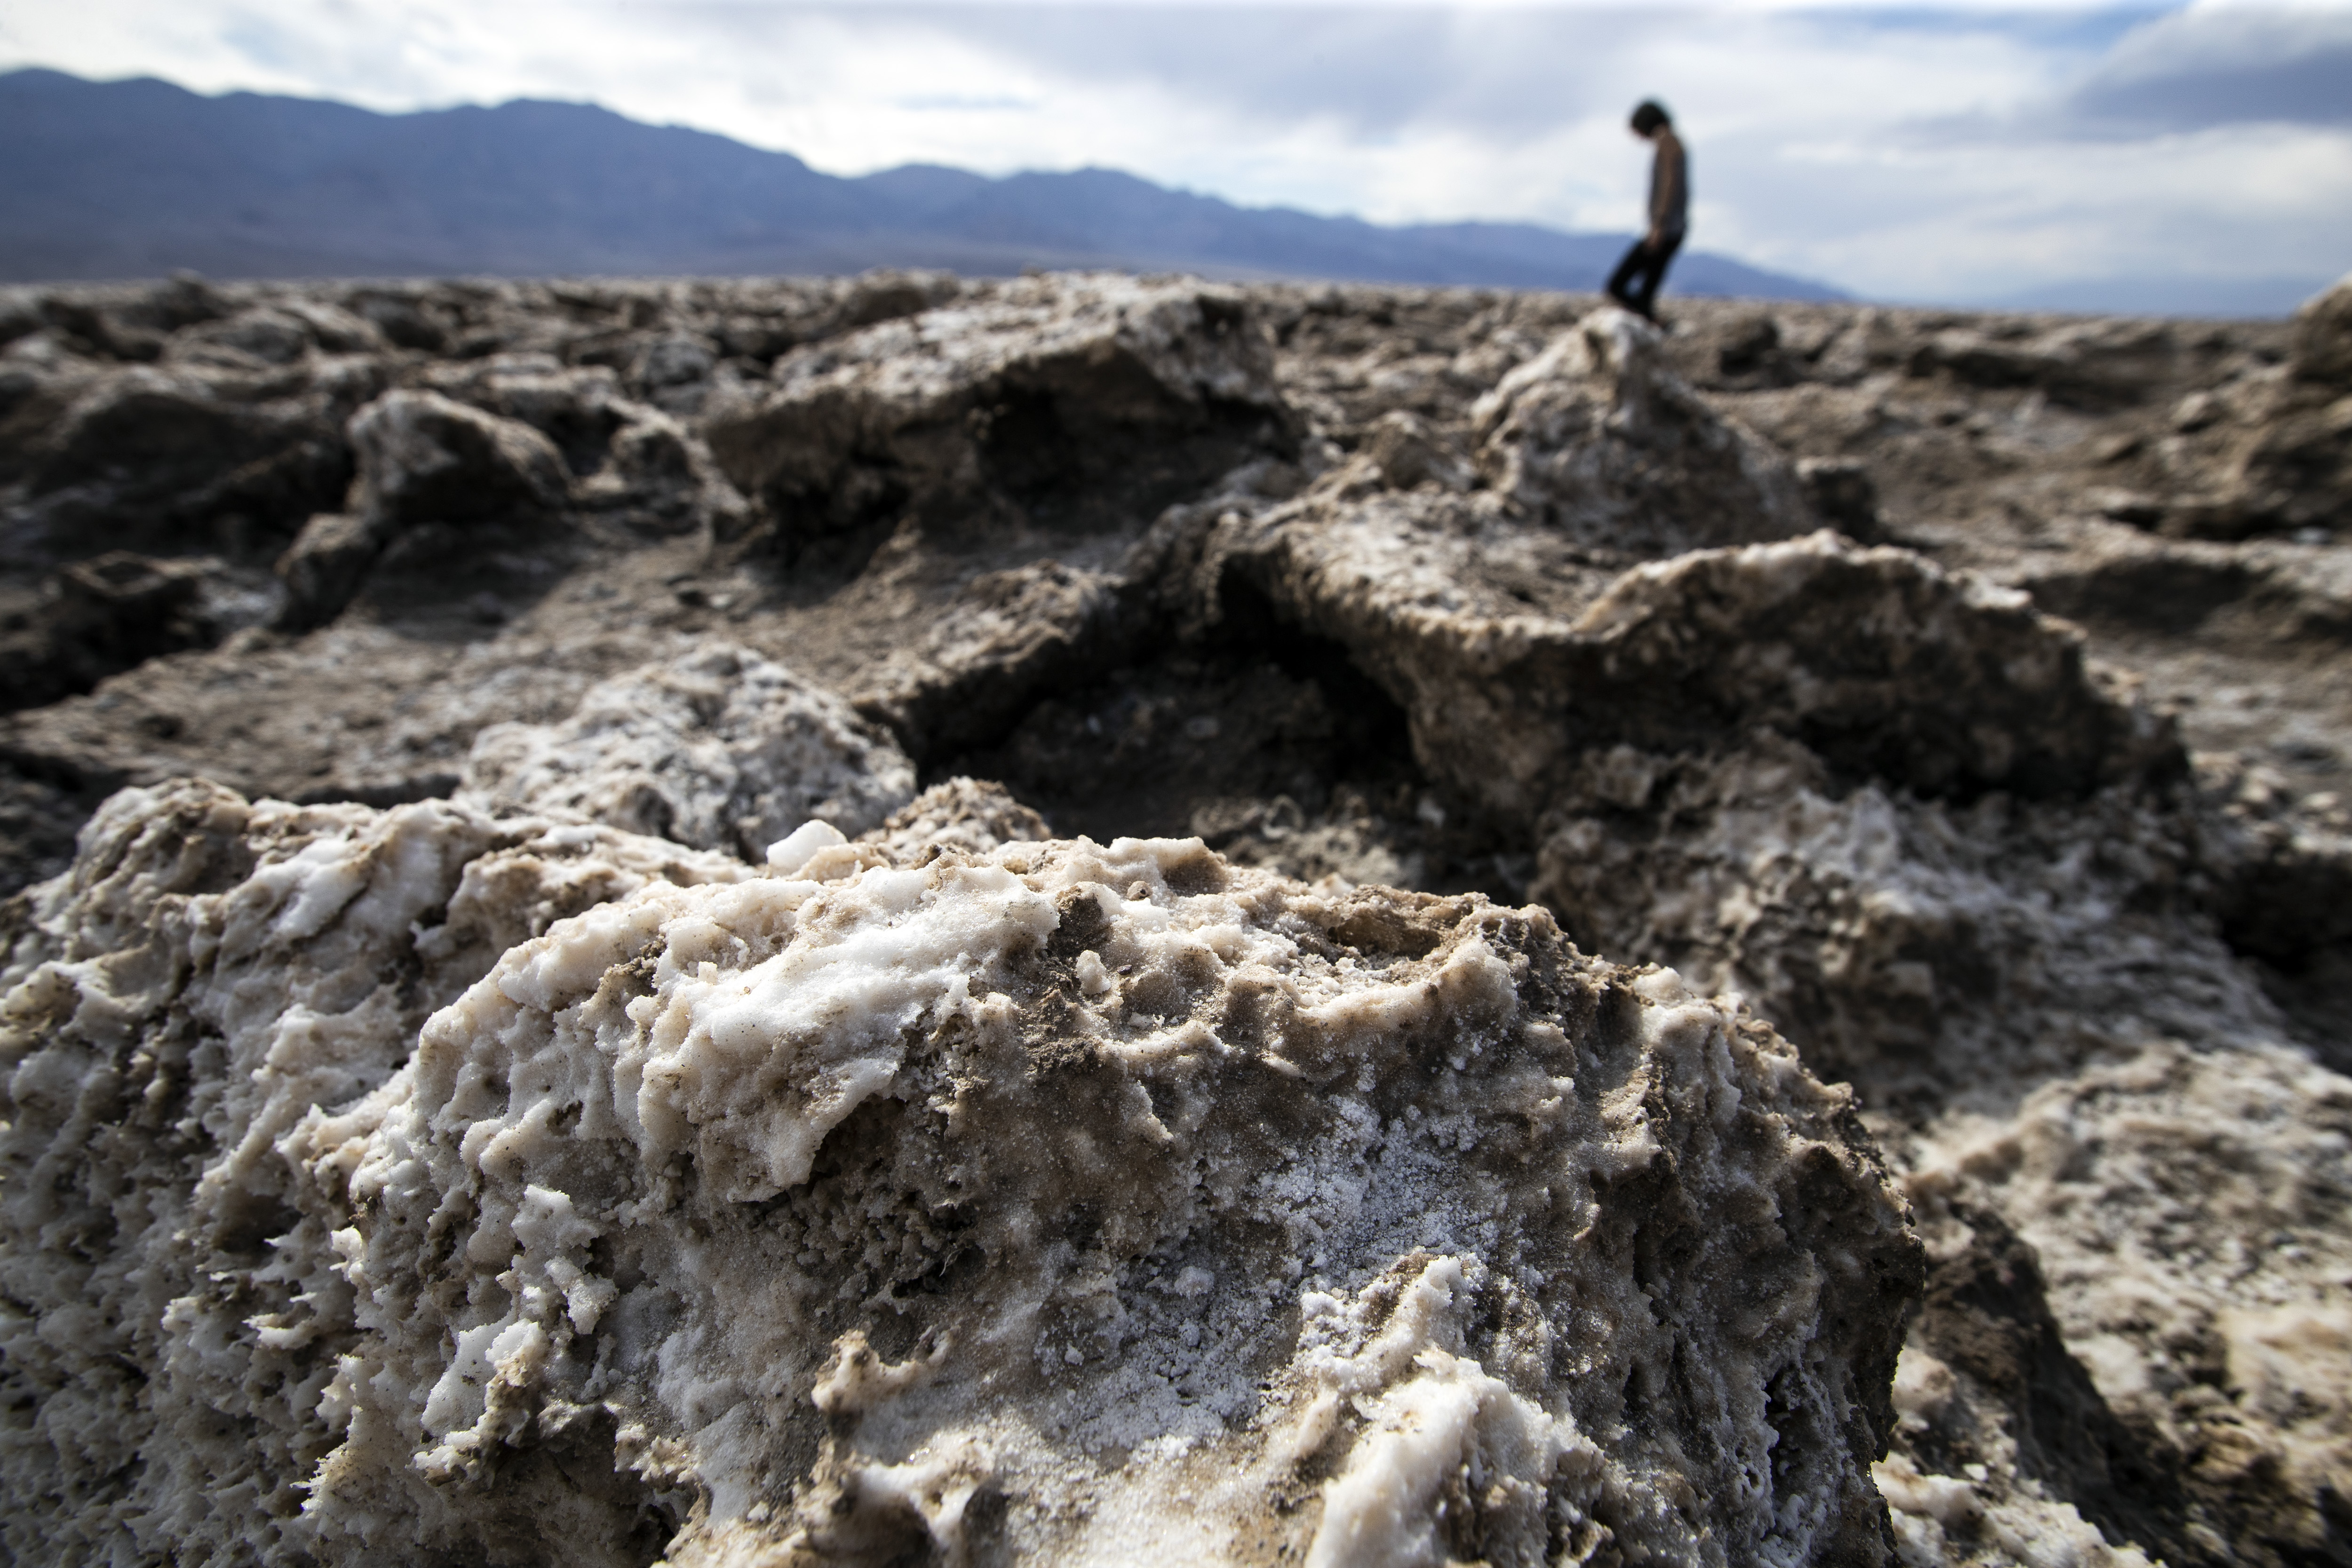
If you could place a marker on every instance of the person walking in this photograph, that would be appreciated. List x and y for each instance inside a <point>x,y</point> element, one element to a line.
<point>1645,267</point>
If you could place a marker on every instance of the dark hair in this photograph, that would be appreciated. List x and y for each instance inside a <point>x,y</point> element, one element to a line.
<point>1649,115</point>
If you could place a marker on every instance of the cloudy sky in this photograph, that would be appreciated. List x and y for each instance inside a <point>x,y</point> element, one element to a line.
<point>2189,155</point>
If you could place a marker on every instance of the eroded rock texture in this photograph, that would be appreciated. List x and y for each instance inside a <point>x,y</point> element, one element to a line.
<point>445,1166</point>
<point>1599,440</point>
<point>718,748</point>
<point>1125,397</point>
<point>208,974</point>
<point>1060,1201</point>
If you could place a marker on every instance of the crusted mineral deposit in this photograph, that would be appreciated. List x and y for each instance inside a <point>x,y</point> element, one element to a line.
<point>1058,1202</point>
<point>1081,919</point>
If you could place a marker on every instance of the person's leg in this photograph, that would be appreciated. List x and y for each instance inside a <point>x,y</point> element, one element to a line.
<point>1635,259</point>
<point>1655,274</point>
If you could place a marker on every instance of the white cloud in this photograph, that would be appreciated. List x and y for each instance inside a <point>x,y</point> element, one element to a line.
<point>2216,64</point>
<point>1956,153</point>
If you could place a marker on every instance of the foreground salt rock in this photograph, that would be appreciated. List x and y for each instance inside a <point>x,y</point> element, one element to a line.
<point>1059,1202</point>
<point>208,973</point>
<point>2187,1208</point>
<point>2090,1079</point>
<point>716,747</point>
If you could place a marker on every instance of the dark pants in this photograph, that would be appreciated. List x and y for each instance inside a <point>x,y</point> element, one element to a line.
<point>1650,267</point>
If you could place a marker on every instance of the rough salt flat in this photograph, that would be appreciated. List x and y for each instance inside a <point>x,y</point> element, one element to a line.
<point>1429,792</point>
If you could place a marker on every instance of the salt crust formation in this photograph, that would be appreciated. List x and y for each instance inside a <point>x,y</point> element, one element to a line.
<point>959,815</point>
<point>1596,438</point>
<point>1038,396</point>
<point>208,974</point>
<point>719,749</point>
<point>1450,590</point>
<point>1059,1200</point>
<point>1901,812</point>
<point>423,458</point>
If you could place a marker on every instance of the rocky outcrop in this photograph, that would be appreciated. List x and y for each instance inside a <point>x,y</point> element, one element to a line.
<point>272,335</point>
<point>1079,408</point>
<point>426,458</point>
<point>2262,453</point>
<point>1515,648</point>
<point>2003,1440</point>
<point>2322,344</point>
<point>2281,865</point>
<point>109,613</point>
<point>2187,1208</point>
<point>1927,949</point>
<point>2295,469</point>
<point>265,960</point>
<point>718,748</point>
<point>1881,663</point>
<point>351,711</point>
<point>1597,439</point>
<point>1006,639</point>
<point>323,568</point>
<point>156,459</point>
<point>440,479</point>
<point>990,1208</point>
<point>629,462</point>
<point>2090,364</point>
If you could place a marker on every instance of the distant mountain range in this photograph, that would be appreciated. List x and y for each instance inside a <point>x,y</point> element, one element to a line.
<point>138,179</point>
<point>2249,298</point>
